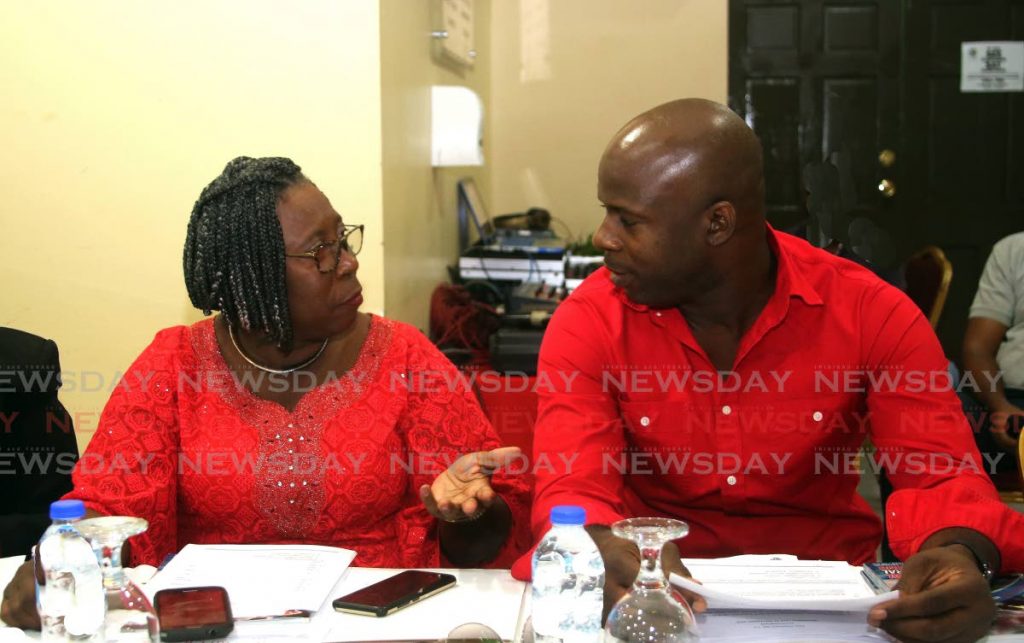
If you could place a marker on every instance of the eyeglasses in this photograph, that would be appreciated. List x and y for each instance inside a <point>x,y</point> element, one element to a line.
<point>328,255</point>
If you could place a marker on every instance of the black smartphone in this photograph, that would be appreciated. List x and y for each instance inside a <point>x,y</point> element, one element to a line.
<point>193,613</point>
<point>394,593</point>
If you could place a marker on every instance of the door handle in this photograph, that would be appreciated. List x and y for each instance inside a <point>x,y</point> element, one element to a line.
<point>887,188</point>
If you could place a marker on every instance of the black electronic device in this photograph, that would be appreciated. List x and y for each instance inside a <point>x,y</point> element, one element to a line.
<point>515,350</point>
<point>531,297</point>
<point>533,219</point>
<point>470,206</point>
<point>394,593</point>
<point>193,613</point>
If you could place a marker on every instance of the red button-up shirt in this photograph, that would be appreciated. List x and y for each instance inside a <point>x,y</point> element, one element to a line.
<point>634,420</point>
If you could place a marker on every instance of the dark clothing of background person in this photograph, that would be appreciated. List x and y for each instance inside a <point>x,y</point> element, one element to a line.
<point>37,439</point>
<point>1001,466</point>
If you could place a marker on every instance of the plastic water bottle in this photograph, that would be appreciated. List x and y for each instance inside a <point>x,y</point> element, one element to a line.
<point>69,586</point>
<point>568,581</point>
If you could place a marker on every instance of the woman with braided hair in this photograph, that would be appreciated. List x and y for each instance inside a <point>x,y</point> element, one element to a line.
<point>290,416</point>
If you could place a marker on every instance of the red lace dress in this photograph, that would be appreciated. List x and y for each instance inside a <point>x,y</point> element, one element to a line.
<point>183,445</point>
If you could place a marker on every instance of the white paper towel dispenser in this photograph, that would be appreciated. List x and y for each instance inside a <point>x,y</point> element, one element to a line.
<point>457,119</point>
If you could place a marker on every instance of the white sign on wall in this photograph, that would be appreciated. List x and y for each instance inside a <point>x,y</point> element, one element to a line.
<point>992,66</point>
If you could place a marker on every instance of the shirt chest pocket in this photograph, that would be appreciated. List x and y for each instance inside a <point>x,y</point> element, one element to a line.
<point>828,420</point>
<point>666,423</point>
<point>818,421</point>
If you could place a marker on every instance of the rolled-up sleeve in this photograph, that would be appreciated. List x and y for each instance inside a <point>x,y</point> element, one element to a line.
<point>923,439</point>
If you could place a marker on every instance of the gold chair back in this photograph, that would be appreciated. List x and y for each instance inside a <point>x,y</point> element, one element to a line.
<point>928,273</point>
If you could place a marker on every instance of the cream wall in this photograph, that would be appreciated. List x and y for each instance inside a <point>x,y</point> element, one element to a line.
<point>116,114</point>
<point>419,201</point>
<point>566,74</point>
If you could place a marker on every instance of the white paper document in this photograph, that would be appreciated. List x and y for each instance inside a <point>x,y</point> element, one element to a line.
<point>780,583</point>
<point>261,580</point>
<point>764,626</point>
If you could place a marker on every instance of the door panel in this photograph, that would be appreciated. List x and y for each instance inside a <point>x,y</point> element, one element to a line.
<point>966,150</point>
<point>773,110</point>
<point>851,28</point>
<point>773,28</point>
<point>850,122</point>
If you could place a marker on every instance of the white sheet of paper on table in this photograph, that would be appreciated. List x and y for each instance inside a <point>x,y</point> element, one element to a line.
<point>760,626</point>
<point>260,579</point>
<point>780,583</point>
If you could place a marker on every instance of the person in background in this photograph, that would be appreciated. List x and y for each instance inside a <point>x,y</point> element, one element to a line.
<point>726,374</point>
<point>37,439</point>
<point>291,416</point>
<point>993,353</point>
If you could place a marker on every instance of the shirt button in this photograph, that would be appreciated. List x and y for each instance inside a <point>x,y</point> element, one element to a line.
<point>817,416</point>
<point>731,480</point>
<point>645,421</point>
<point>726,410</point>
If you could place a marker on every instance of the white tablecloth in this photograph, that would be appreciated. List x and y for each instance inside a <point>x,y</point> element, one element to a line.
<point>491,597</point>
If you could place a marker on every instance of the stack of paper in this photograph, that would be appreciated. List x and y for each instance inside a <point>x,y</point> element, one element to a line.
<point>780,582</point>
<point>776,626</point>
<point>780,598</point>
<point>262,580</point>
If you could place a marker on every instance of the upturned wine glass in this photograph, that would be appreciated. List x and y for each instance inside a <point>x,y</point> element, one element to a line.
<point>130,616</point>
<point>649,612</point>
<point>474,632</point>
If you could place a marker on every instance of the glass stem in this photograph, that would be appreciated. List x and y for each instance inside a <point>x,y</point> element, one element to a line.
<point>650,576</point>
<point>110,562</point>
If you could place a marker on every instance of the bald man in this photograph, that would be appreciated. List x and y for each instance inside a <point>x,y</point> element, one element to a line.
<point>726,374</point>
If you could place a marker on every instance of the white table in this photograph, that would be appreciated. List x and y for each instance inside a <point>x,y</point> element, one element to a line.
<point>491,597</point>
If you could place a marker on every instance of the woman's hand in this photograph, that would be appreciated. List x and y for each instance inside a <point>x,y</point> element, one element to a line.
<point>463,492</point>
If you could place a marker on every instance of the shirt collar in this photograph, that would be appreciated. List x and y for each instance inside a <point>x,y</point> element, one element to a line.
<point>620,294</point>
<point>789,280</point>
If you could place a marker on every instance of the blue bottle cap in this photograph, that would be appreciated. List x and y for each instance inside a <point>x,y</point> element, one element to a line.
<point>568,515</point>
<point>67,510</point>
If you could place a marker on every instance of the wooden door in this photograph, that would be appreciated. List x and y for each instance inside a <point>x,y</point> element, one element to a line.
<point>874,85</point>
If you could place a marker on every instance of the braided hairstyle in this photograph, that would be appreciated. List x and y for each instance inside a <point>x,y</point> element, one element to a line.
<point>234,251</point>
